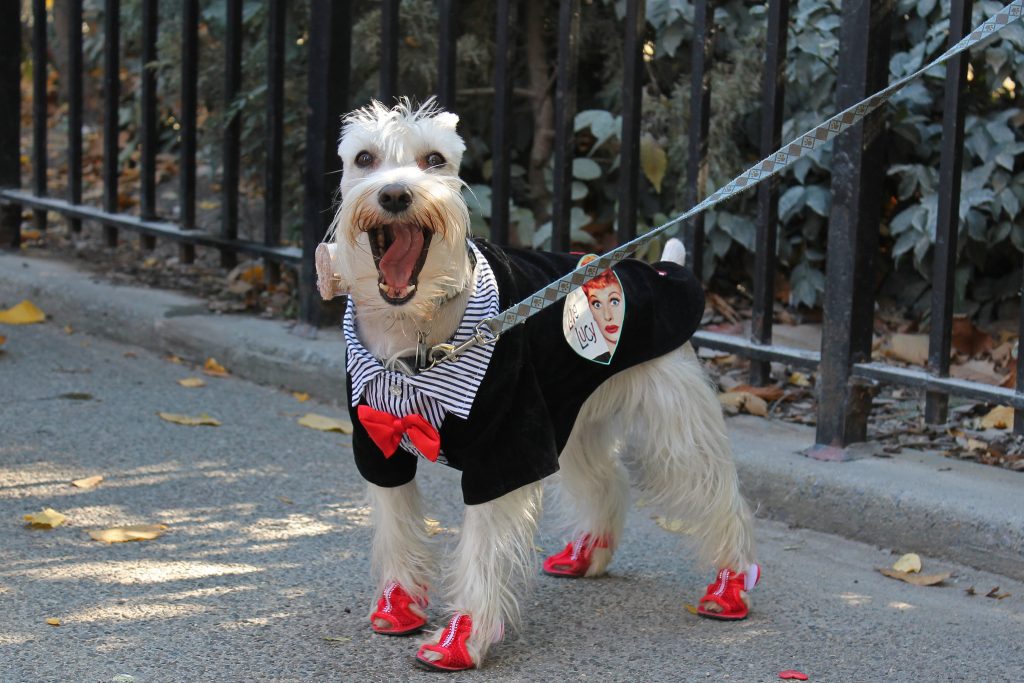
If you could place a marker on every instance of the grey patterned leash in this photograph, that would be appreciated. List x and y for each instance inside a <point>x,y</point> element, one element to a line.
<point>488,331</point>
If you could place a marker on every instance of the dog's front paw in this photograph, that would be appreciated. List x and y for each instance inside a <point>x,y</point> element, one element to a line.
<point>726,598</point>
<point>398,613</point>
<point>449,653</point>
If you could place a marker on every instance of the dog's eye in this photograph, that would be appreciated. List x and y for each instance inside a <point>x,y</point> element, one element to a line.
<point>364,159</point>
<point>434,159</point>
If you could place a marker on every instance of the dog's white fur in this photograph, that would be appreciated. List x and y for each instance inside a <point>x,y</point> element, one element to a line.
<point>658,423</point>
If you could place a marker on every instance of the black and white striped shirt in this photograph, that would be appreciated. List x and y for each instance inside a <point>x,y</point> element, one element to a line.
<point>445,388</point>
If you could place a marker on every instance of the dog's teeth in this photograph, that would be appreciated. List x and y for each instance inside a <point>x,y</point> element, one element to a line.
<point>383,287</point>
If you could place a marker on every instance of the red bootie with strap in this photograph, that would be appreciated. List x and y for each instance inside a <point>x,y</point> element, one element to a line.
<point>574,561</point>
<point>726,593</point>
<point>395,607</point>
<point>449,653</point>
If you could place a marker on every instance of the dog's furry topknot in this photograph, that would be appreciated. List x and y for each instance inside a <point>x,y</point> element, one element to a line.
<point>404,113</point>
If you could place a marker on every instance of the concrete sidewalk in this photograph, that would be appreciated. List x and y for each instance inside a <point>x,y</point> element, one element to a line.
<point>960,511</point>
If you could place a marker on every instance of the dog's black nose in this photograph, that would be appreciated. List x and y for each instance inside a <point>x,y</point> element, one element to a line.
<point>395,198</point>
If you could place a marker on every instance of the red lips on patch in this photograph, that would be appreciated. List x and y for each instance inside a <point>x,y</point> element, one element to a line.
<point>398,262</point>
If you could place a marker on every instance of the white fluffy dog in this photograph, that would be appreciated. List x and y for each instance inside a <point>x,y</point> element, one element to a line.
<point>400,249</point>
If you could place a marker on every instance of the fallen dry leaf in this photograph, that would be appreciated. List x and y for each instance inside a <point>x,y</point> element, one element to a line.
<point>300,396</point>
<point>1000,417</point>
<point>53,621</point>
<point>909,348</point>
<point>88,482</point>
<point>24,313</point>
<point>173,359</point>
<point>192,382</point>
<point>3,340</point>
<point>286,501</point>
<point>916,579</point>
<point>325,424</point>
<point>676,526</point>
<point>690,608</point>
<point>47,519</point>
<point>979,370</point>
<point>768,393</point>
<point>970,591</point>
<point>911,562</point>
<point>994,593</point>
<point>203,419</point>
<point>337,639</point>
<point>968,339</point>
<point>123,534</point>
<point>68,329</point>
<point>799,379</point>
<point>976,445</point>
<point>214,369</point>
<point>30,234</point>
<point>735,401</point>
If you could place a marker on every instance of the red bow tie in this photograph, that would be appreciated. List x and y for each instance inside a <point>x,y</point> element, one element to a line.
<point>386,430</point>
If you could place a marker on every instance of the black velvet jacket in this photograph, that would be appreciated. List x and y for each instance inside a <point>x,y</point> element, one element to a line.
<point>536,384</point>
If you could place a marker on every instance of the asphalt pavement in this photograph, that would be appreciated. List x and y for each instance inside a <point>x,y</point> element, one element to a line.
<point>262,573</point>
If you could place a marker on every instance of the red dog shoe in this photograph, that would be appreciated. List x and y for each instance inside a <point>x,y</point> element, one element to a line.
<point>451,647</point>
<point>574,561</point>
<point>395,607</point>
<point>725,592</point>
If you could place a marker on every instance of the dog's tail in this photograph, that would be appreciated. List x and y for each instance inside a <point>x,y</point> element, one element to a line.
<point>674,252</point>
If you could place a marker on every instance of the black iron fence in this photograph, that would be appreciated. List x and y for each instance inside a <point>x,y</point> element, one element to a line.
<point>847,377</point>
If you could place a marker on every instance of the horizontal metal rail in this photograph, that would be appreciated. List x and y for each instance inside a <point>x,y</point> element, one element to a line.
<point>728,343</point>
<point>286,255</point>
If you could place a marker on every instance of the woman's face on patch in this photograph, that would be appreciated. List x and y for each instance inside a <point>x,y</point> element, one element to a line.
<point>607,309</point>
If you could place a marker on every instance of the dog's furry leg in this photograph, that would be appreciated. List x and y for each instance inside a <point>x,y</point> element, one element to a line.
<point>492,563</point>
<point>593,488</point>
<point>681,451</point>
<point>400,550</point>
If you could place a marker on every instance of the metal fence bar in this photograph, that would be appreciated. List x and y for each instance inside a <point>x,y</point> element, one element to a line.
<point>446,42</point>
<point>232,130</point>
<point>147,176</point>
<point>10,121</point>
<point>158,228</point>
<point>388,51</point>
<point>111,122</point>
<point>74,80</point>
<point>632,97</point>
<point>565,115</point>
<point>700,118</point>
<point>330,39</point>
<point>1018,413</point>
<point>39,114</point>
<point>947,225</point>
<point>857,164</point>
<point>773,91</point>
<point>922,379</point>
<point>187,118</point>
<point>500,164</point>
<point>275,132</point>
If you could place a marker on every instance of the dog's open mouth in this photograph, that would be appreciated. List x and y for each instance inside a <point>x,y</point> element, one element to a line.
<point>399,251</point>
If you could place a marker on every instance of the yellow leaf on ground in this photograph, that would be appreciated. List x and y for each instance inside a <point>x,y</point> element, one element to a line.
<point>911,562</point>
<point>173,359</point>
<point>53,621</point>
<point>214,369</point>
<point>735,401</point>
<point>676,526</point>
<point>199,420</point>
<point>799,379</point>
<point>690,608</point>
<point>909,348</point>
<point>1000,417</point>
<point>207,205</point>
<point>68,329</point>
<point>88,482</point>
<point>192,382</point>
<point>653,161</point>
<point>916,579</point>
<point>24,313</point>
<point>31,234</point>
<point>300,396</point>
<point>976,445</point>
<point>47,519</point>
<point>325,424</point>
<point>123,534</point>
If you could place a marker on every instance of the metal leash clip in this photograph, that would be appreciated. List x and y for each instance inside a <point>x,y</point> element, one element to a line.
<point>483,336</point>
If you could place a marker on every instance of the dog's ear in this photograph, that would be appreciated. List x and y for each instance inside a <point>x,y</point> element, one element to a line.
<point>447,120</point>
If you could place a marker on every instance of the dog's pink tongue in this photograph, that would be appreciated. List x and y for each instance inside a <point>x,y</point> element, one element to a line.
<point>399,260</point>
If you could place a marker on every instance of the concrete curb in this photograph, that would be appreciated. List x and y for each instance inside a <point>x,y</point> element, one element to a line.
<point>914,502</point>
